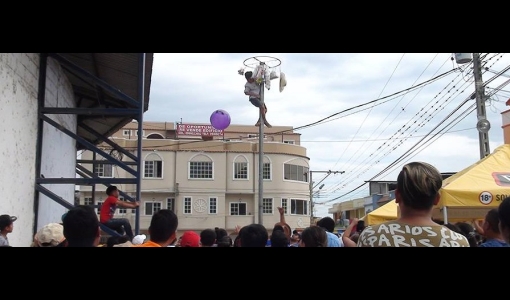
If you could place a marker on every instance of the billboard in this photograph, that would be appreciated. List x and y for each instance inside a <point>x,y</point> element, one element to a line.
<point>191,130</point>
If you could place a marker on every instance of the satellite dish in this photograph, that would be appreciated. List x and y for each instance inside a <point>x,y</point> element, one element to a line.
<point>483,125</point>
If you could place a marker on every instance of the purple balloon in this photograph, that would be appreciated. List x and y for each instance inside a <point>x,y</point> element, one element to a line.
<point>220,119</point>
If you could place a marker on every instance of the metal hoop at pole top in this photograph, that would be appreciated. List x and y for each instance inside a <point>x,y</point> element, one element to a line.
<point>270,61</point>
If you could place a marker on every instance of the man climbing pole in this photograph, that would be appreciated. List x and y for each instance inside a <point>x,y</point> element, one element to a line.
<point>252,89</point>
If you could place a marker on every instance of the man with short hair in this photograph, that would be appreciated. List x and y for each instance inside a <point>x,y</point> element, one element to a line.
<point>208,238</point>
<point>329,225</point>
<point>162,229</point>
<point>6,227</point>
<point>81,227</point>
<point>253,235</point>
<point>417,192</point>
<point>107,212</point>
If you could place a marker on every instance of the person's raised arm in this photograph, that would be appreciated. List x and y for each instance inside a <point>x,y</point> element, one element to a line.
<point>128,204</point>
<point>346,236</point>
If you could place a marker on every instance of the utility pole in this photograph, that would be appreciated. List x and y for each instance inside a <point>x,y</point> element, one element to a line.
<point>483,125</point>
<point>329,172</point>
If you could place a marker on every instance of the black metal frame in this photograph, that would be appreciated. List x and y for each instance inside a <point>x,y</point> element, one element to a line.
<point>134,110</point>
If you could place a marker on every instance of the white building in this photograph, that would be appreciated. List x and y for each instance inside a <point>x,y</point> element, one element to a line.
<point>211,179</point>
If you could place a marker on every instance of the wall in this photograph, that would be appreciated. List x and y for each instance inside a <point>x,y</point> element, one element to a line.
<point>58,149</point>
<point>19,74</point>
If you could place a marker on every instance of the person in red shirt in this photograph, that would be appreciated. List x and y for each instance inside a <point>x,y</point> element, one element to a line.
<point>107,212</point>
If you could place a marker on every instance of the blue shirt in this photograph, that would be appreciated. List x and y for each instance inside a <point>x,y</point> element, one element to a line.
<point>334,240</point>
<point>494,243</point>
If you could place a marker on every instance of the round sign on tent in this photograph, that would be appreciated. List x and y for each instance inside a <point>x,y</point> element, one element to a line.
<point>220,119</point>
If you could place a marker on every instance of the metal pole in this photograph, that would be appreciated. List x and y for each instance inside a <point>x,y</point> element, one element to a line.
<point>261,149</point>
<point>311,196</point>
<point>141,103</point>
<point>41,92</point>
<point>483,137</point>
<point>312,186</point>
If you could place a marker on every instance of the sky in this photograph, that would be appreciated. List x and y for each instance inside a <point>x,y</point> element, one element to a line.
<point>371,112</point>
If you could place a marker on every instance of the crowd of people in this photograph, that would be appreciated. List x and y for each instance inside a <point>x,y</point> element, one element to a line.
<point>417,192</point>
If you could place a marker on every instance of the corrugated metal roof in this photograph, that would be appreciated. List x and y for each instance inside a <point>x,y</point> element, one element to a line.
<point>118,70</point>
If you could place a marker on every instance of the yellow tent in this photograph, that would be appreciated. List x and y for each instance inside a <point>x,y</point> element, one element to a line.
<point>387,212</point>
<point>470,193</point>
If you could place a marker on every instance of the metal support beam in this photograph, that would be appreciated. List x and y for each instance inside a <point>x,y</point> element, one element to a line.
<point>90,111</point>
<point>141,103</point>
<point>81,73</point>
<point>89,145</point>
<point>133,109</point>
<point>109,142</point>
<point>86,181</point>
<point>83,172</point>
<point>41,91</point>
<point>103,162</point>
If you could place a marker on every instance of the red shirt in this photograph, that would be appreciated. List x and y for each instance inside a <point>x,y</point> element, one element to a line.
<point>108,209</point>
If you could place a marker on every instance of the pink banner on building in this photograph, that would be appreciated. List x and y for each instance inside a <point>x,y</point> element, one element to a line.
<point>197,130</point>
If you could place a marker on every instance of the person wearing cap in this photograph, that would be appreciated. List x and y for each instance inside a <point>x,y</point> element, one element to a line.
<point>190,239</point>
<point>139,239</point>
<point>6,227</point>
<point>51,235</point>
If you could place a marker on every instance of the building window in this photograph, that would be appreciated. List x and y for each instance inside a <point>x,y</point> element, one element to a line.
<point>237,209</point>
<point>103,170</point>
<point>288,142</point>
<point>295,172</point>
<point>136,132</point>
<point>298,207</point>
<point>153,166</point>
<point>266,171</point>
<point>213,204</point>
<point>187,205</point>
<point>126,132</point>
<point>170,204</point>
<point>99,204</point>
<point>267,205</point>
<point>284,206</point>
<point>240,169</point>
<point>200,170</point>
<point>151,207</point>
<point>88,201</point>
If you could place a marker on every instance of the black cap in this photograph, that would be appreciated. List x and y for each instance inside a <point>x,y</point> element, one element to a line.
<point>6,220</point>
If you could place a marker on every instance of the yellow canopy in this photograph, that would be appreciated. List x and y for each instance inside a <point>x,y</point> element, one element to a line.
<point>470,193</point>
<point>387,212</point>
<point>483,184</point>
